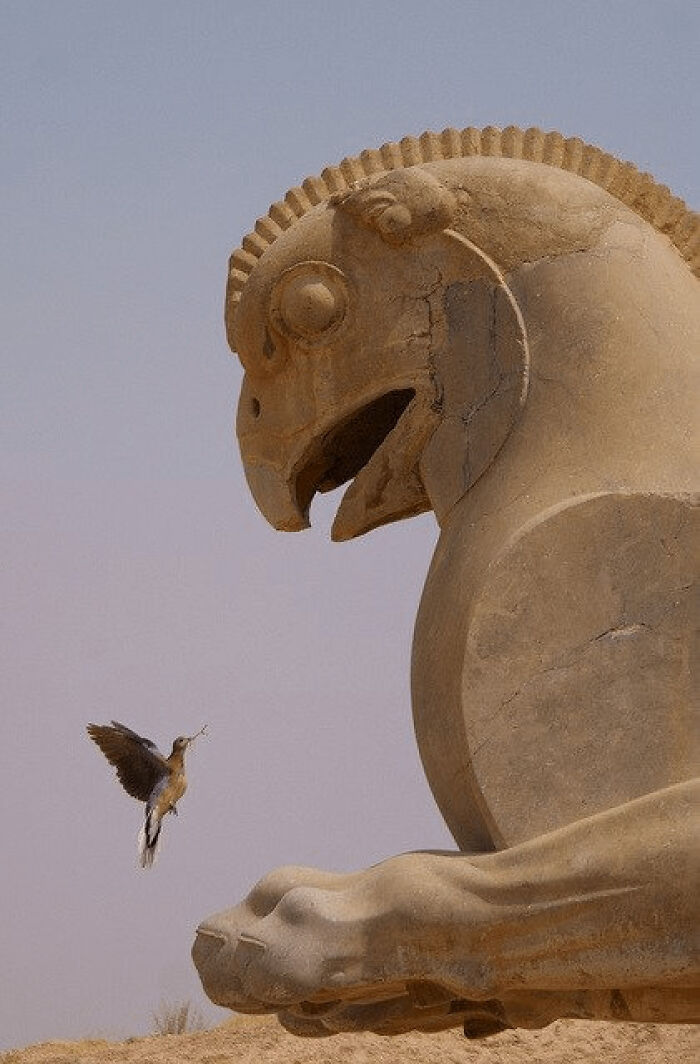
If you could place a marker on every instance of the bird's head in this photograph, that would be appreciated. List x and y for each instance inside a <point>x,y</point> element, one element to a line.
<point>183,741</point>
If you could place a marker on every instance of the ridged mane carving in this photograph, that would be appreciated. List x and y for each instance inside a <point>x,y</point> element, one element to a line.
<point>639,191</point>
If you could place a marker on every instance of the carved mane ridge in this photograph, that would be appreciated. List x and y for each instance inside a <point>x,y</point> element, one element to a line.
<point>639,191</point>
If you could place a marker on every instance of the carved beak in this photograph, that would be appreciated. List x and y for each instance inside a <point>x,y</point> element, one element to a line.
<point>376,448</point>
<point>276,496</point>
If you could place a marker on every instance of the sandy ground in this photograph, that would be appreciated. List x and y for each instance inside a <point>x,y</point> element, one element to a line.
<point>263,1041</point>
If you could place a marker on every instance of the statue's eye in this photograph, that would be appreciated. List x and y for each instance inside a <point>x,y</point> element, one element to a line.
<point>309,301</point>
<point>308,305</point>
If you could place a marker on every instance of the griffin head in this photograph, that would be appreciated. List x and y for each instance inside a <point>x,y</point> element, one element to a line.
<point>370,356</point>
<point>334,328</point>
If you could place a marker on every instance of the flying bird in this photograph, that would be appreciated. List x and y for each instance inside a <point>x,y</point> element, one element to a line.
<point>146,775</point>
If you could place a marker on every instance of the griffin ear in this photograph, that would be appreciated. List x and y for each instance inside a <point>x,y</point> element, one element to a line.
<point>401,205</point>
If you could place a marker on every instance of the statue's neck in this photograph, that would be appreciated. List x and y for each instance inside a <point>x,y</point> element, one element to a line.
<point>599,379</point>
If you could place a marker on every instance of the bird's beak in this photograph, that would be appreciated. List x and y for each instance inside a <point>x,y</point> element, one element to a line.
<point>202,731</point>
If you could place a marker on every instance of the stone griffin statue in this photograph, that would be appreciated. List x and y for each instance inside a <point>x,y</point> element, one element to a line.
<point>499,326</point>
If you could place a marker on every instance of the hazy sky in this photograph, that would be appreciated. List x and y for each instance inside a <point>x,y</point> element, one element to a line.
<point>139,142</point>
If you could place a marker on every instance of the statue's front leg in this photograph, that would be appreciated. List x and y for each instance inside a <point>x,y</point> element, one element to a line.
<point>595,919</point>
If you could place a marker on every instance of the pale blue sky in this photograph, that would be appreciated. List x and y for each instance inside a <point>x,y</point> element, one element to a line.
<point>139,141</point>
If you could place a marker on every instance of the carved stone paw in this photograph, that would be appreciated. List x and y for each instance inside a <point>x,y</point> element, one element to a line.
<point>291,939</point>
<point>330,952</point>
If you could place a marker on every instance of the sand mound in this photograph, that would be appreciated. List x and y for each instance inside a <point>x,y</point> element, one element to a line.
<point>253,1041</point>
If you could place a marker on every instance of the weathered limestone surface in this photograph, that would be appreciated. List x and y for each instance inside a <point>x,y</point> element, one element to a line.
<point>503,328</point>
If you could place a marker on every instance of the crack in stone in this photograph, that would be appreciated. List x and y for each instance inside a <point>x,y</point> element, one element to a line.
<point>433,373</point>
<point>617,632</point>
<point>569,659</point>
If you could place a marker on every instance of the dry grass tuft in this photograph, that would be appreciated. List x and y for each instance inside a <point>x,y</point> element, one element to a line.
<point>177,1018</point>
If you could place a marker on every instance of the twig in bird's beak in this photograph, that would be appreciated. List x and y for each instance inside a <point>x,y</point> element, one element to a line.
<point>201,731</point>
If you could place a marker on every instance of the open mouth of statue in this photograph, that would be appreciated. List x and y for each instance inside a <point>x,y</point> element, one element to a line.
<point>345,450</point>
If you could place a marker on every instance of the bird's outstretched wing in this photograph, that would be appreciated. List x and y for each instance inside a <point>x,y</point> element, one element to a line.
<point>139,763</point>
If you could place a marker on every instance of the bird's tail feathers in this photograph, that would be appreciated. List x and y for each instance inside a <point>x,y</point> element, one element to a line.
<point>149,836</point>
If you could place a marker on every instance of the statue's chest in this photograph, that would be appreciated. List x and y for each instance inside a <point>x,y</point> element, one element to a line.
<point>553,683</point>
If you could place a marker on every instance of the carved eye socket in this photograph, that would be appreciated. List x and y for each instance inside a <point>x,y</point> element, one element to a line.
<point>309,301</point>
